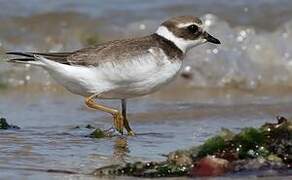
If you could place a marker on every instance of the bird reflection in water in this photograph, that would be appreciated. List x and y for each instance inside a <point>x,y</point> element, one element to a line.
<point>121,149</point>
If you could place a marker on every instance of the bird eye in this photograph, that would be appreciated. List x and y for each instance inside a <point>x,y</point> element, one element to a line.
<point>193,28</point>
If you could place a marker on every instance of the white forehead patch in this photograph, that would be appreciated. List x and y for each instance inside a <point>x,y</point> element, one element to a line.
<point>182,44</point>
<point>182,25</point>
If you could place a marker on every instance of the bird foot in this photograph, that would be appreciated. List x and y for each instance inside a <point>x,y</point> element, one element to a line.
<point>118,122</point>
<point>131,133</point>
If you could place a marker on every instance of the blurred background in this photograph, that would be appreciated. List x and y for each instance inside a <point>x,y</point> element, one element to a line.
<point>245,81</point>
<point>256,35</point>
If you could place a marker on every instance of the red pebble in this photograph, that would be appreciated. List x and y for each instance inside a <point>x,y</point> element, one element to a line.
<point>210,166</point>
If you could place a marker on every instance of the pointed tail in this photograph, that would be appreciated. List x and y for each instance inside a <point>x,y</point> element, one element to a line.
<point>33,58</point>
<point>24,58</point>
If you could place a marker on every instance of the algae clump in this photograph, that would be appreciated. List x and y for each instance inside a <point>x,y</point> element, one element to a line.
<point>253,149</point>
<point>4,125</point>
<point>211,146</point>
<point>99,133</point>
<point>250,143</point>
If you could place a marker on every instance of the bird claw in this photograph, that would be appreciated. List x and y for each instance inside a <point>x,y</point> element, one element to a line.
<point>131,133</point>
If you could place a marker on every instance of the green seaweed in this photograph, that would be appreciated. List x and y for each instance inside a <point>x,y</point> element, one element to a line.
<point>279,138</point>
<point>215,144</point>
<point>140,169</point>
<point>167,170</point>
<point>266,147</point>
<point>249,143</point>
<point>211,146</point>
<point>271,138</point>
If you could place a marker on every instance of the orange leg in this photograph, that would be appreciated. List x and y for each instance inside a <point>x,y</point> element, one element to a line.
<point>117,115</point>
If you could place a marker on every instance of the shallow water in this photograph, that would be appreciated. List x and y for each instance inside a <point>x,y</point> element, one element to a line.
<point>244,82</point>
<point>49,140</point>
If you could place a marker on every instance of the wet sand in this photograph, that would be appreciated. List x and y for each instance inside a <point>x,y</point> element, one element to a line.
<point>49,140</point>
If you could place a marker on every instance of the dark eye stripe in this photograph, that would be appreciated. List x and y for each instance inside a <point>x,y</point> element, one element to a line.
<point>193,28</point>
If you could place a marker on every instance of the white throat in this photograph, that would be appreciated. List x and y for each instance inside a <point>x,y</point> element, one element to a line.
<point>183,44</point>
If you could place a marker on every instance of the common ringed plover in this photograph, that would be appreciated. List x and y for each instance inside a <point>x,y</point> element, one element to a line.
<point>123,69</point>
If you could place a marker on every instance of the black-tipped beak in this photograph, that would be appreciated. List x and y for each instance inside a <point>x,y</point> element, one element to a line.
<point>211,39</point>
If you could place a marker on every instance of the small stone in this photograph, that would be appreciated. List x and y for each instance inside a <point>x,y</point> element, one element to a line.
<point>210,166</point>
<point>88,126</point>
<point>107,170</point>
<point>5,125</point>
<point>256,165</point>
<point>180,158</point>
<point>274,158</point>
<point>281,119</point>
<point>98,133</point>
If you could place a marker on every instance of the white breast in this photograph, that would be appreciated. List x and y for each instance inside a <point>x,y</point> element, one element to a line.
<point>135,77</point>
<point>140,76</point>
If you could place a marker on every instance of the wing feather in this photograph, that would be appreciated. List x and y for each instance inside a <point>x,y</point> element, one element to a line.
<point>112,51</point>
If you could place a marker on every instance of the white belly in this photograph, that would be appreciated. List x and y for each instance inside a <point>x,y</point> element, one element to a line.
<point>128,79</point>
<point>140,78</point>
